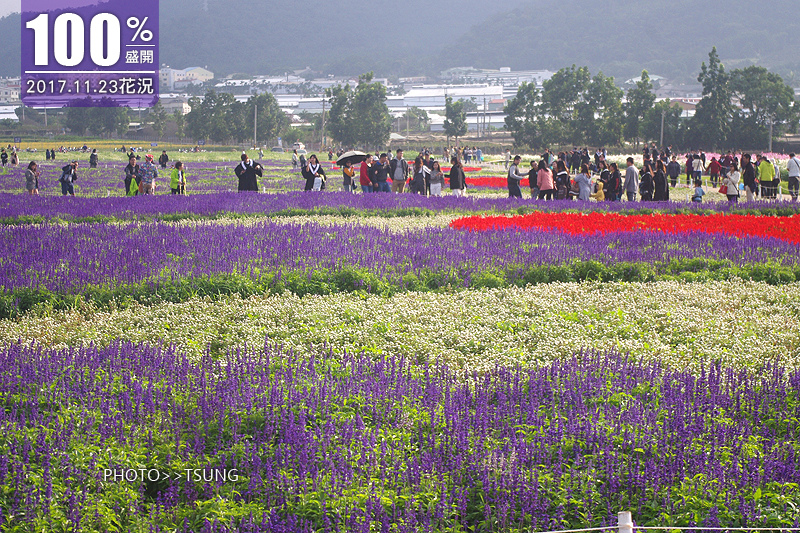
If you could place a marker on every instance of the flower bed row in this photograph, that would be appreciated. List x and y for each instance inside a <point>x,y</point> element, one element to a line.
<point>265,441</point>
<point>785,228</point>
<point>16,209</point>
<point>104,262</point>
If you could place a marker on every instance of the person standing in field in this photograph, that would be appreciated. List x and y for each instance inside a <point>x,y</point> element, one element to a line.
<point>294,161</point>
<point>93,158</point>
<point>793,165</point>
<point>458,181</point>
<point>766,176</point>
<point>698,167</point>
<point>749,177</point>
<point>584,181</point>
<point>544,180</point>
<point>348,172</point>
<point>132,177</point>
<point>419,177</point>
<point>363,178</point>
<point>532,181</point>
<point>436,179</point>
<point>514,179</point>
<point>614,183</point>
<point>314,174</point>
<point>646,184</point>
<point>660,183</point>
<point>399,172</point>
<point>177,181</point>
<point>248,172</point>
<point>69,175</point>
<point>631,185</point>
<point>163,159</point>
<point>507,157</point>
<point>32,179</point>
<point>731,181</point>
<point>673,171</point>
<point>714,171</point>
<point>148,173</point>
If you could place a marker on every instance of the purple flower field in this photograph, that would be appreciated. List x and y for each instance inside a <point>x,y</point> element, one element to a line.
<point>13,206</point>
<point>107,178</point>
<point>70,258</point>
<point>354,444</point>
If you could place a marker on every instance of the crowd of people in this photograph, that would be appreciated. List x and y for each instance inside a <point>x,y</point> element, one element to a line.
<point>551,177</point>
<point>379,173</point>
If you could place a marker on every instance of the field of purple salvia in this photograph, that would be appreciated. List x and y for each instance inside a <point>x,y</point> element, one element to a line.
<point>129,437</point>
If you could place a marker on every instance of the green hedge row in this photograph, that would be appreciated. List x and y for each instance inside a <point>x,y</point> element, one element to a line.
<point>352,279</point>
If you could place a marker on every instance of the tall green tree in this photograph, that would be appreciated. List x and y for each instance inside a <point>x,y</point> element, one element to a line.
<point>180,122</point>
<point>522,116</point>
<point>560,96</point>
<point>455,122</point>
<point>765,99</point>
<point>359,116</point>
<point>158,117</point>
<point>711,123</point>
<point>650,129</point>
<point>639,102</point>
<point>597,113</point>
<point>271,118</point>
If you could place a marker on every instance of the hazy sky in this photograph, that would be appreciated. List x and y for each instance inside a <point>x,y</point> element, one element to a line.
<point>9,6</point>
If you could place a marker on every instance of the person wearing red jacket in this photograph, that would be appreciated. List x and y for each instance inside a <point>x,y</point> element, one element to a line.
<point>366,183</point>
<point>714,170</point>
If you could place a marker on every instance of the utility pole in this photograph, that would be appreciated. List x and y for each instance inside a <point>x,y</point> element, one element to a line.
<point>663,113</point>
<point>483,129</point>
<point>255,126</point>
<point>770,135</point>
<point>323,122</point>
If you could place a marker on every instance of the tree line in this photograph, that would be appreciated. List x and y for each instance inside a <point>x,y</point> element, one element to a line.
<point>576,108</point>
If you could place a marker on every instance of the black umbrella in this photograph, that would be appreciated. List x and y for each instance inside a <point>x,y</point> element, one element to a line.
<point>353,157</point>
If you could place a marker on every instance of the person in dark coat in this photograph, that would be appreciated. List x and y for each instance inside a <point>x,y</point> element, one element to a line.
<point>749,177</point>
<point>646,185</point>
<point>458,181</point>
<point>93,159</point>
<point>614,183</point>
<point>311,171</point>
<point>661,184</point>
<point>247,171</point>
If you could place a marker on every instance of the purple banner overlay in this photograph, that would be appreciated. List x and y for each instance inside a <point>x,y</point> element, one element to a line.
<point>89,54</point>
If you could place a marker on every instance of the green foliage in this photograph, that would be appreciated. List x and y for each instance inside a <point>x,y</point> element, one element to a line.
<point>522,116</point>
<point>359,116</point>
<point>180,123</point>
<point>158,116</point>
<point>650,127</point>
<point>639,102</point>
<point>108,120</point>
<point>356,279</point>
<point>711,124</point>
<point>455,123</point>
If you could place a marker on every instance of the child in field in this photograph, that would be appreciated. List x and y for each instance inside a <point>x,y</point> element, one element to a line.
<point>698,191</point>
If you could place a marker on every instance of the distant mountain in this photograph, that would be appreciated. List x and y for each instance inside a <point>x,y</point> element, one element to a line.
<point>253,36</point>
<point>669,38</point>
<point>621,37</point>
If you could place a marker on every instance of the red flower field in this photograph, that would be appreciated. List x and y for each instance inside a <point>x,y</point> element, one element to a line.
<point>785,228</point>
